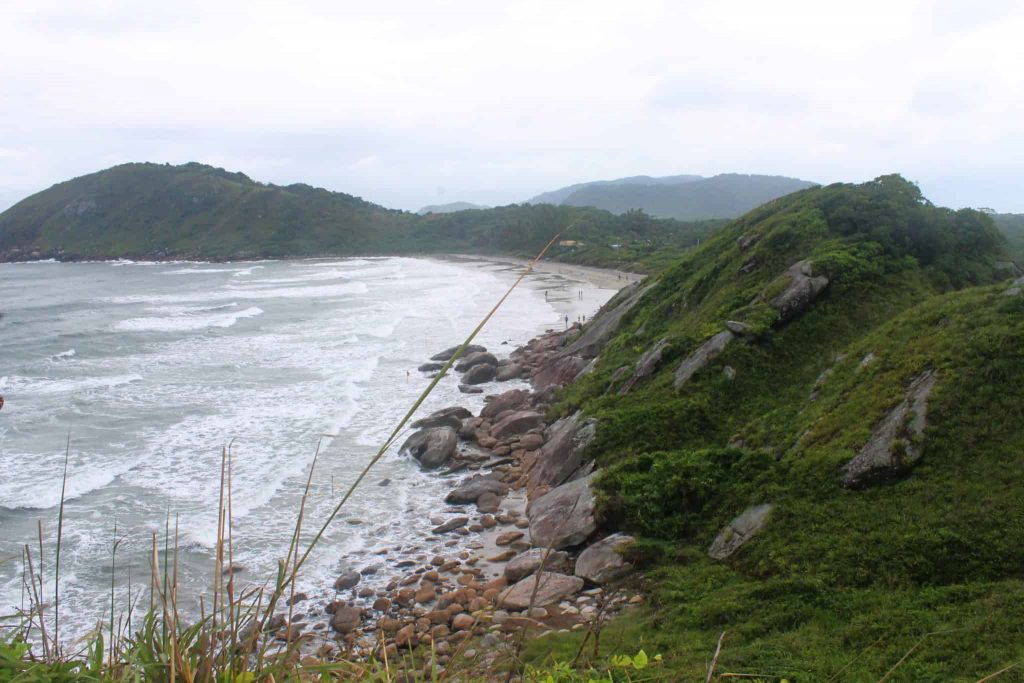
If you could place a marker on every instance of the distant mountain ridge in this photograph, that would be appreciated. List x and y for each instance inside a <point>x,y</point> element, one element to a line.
<point>451,207</point>
<point>683,197</point>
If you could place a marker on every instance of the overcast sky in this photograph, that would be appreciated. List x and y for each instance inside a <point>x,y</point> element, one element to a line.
<point>410,103</point>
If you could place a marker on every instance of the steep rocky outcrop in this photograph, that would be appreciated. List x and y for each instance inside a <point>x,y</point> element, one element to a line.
<point>795,290</point>
<point>893,446</point>
<point>704,354</point>
<point>646,366</point>
<point>562,454</point>
<point>739,531</point>
<point>604,325</point>
<point>564,516</point>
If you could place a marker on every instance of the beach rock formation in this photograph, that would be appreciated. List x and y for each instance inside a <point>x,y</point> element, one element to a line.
<point>431,447</point>
<point>603,562</point>
<point>564,516</point>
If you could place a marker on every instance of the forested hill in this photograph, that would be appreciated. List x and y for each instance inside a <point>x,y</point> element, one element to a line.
<point>194,211</point>
<point>812,425</point>
<point>681,197</point>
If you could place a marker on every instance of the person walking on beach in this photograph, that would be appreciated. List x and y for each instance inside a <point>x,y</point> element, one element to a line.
<point>567,321</point>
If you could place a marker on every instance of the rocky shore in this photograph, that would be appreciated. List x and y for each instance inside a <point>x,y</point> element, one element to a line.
<point>517,547</point>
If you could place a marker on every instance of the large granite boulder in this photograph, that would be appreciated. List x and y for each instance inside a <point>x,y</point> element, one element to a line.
<point>527,563</point>
<point>538,590</point>
<point>478,374</point>
<point>704,354</point>
<point>557,372</point>
<point>509,372</point>
<point>562,453</point>
<point>346,619</point>
<point>448,353</point>
<point>446,417</point>
<point>472,488</point>
<point>739,531</point>
<point>892,447</point>
<point>518,422</point>
<point>431,447</point>
<point>603,562</point>
<point>646,366</point>
<point>476,358</point>
<point>510,400</point>
<point>797,289</point>
<point>564,516</point>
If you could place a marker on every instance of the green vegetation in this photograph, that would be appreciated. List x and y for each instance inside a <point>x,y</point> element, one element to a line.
<point>680,197</point>
<point>840,582</point>
<point>1012,225</point>
<point>199,212</point>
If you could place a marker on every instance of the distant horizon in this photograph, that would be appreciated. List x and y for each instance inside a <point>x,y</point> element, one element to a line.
<point>523,200</point>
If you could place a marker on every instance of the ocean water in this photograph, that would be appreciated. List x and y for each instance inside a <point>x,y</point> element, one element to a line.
<point>145,372</point>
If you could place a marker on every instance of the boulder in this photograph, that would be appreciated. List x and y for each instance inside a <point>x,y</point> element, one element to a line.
<point>478,374</point>
<point>739,531</point>
<point>517,422</point>
<point>470,390</point>
<point>799,288</point>
<point>892,447</point>
<point>704,354</point>
<point>529,562</point>
<point>606,322</point>
<point>431,447</point>
<point>448,353</point>
<point>451,525</point>
<point>737,327</point>
<point>646,366</point>
<point>539,590</point>
<point>509,372</point>
<point>347,580</point>
<point>747,241</point>
<point>473,359</point>
<point>603,562</point>
<point>446,417</point>
<point>488,502</point>
<point>430,367</point>
<point>558,372</point>
<point>469,490</point>
<point>564,516</point>
<point>562,454</point>
<point>510,400</point>
<point>346,619</point>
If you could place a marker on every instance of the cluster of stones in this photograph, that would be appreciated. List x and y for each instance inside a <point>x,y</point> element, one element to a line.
<point>517,548</point>
<point>477,366</point>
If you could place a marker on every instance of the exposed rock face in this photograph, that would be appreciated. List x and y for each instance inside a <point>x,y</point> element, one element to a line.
<point>747,241</point>
<point>603,562</point>
<point>518,422</point>
<point>446,417</point>
<point>510,400</point>
<point>478,374</point>
<point>474,359</point>
<point>606,322</point>
<point>529,562</point>
<point>562,455</point>
<point>737,327</point>
<point>646,366</point>
<point>801,288</point>
<point>346,619</point>
<point>704,354</point>
<point>474,487</point>
<point>539,590</point>
<point>739,531</point>
<point>448,353</point>
<point>558,372</point>
<point>1015,288</point>
<point>564,516</point>
<point>431,447</point>
<point>891,448</point>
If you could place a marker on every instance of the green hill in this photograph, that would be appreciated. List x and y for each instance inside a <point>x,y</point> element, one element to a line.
<point>451,207</point>
<point>680,197</point>
<point>195,211</point>
<point>864,402</point>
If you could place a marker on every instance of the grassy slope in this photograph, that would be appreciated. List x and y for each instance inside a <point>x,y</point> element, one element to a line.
<point>196,211</point>
<point>837,574</point>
